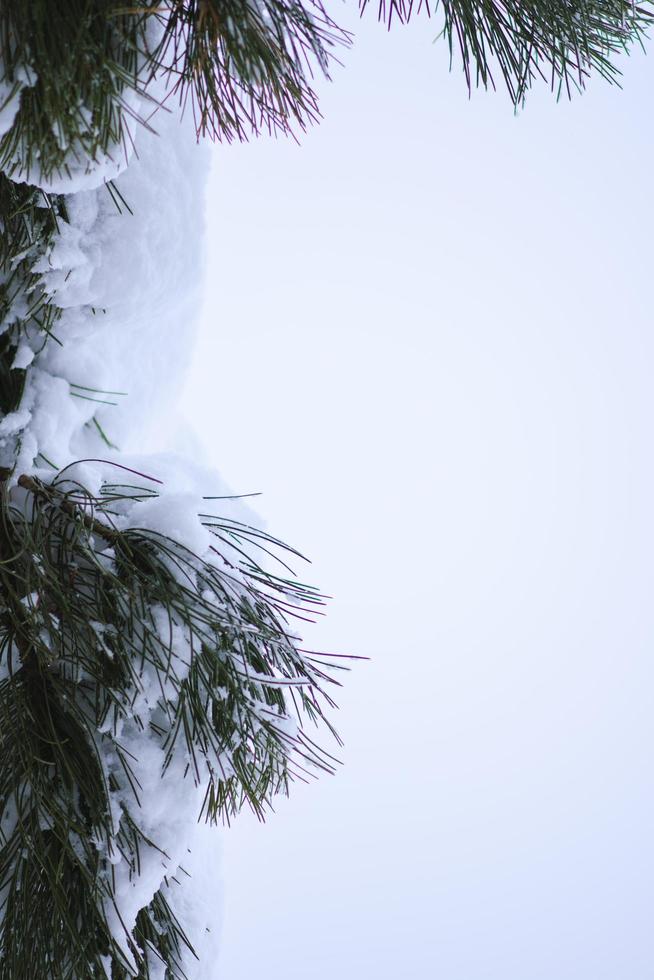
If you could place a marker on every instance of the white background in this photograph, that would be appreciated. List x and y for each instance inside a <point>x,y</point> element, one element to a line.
<point>427,338</point>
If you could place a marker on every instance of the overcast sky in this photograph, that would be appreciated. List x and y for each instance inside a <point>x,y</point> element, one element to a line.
<point>427,339</point>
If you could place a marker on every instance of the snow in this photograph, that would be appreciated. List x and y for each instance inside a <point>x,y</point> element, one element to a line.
<point>169,808</point>
<point>126,271</point>
<point>23,357</point>
<point>129,287</point>
<point>79,170</point>
<point>176,514</point>
<point>201,911</point>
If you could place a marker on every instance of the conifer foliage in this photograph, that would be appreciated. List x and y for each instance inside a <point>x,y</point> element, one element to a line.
<point>112,638</point>
<point>129,661</point>
<point>242,67</point>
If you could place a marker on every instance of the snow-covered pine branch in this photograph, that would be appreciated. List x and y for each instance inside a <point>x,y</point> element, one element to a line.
<point>141,686</point>
<point>150,671</point>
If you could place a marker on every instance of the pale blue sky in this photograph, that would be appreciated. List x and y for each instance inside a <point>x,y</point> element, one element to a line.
<point>428,339</point>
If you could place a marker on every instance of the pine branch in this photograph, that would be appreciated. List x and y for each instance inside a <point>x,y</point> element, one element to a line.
<point>82,76</point>
<point>73,68</point>
<point>94,618</point>
<point>248,66</point>
<point>560,42</point>
<point>29,220</point>
<point>241,66</point>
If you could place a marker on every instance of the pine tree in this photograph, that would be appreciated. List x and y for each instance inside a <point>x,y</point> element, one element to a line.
<point>122,649</point>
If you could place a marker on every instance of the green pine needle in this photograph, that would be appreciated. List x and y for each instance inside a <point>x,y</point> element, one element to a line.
<point>560,42</point>
<point>78,635</point>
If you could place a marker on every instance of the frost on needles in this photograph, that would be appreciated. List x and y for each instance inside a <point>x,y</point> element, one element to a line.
<point>150,669</point>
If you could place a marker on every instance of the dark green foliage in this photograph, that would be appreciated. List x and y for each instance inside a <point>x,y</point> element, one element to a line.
<point>79,58</point>
<point>88,612</point>
<point>96,613</point>
<point>28,221</point>
<point>159,936</point>
<point>12,381</point>
<point>243,66</point>
<point>247,66</point>
<point>558,41</point>
<point>89,615</point>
